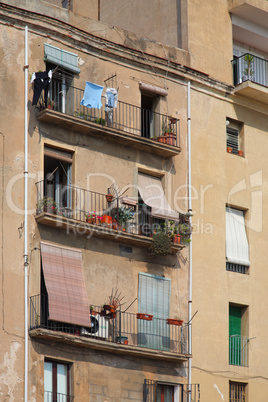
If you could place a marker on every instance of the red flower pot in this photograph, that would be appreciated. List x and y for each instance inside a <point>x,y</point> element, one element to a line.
<point>172,321</point>
<point>147,317</point>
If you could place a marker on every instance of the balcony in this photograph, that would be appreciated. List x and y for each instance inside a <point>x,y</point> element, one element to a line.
<point>130,125</point>
<point>50,396</point>
<point>250,77</point>
<point>89,213</point>
<point>250,22</point>
<point>152,389</point>
<point>238,350</point>
<point>120,332</point>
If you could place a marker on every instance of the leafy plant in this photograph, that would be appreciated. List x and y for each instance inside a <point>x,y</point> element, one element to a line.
<point>100,121</point>
<point>46,203</point>
<point>161,244</point>
<point>124,214</point>
<point>248,58</point>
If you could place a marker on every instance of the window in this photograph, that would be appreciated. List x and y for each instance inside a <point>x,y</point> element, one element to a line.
<point>64,65</point>
<point>58,177</point>
<point>154,298</point>
<point>234,137</point>
<point>147,115</point>
<point>151,120</point>
<point>57,382</point>
<point>238,335</point>
<point>164,393</point>
<point>237,249</point>
<point>156,391</point>
<point>237,392</point>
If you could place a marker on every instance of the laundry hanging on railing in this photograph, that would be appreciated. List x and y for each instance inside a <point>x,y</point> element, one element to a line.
<point>41,81</point>
<point>92,96</point>
<point>111,98</point>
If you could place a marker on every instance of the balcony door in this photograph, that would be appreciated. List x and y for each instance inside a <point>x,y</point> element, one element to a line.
<point>154,299</point>
<point>58,177</point>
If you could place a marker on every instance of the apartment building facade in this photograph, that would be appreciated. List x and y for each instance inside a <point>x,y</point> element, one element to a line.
<point>95,279</point>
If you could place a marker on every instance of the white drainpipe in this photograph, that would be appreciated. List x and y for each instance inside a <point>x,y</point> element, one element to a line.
<point>26,67</point>
<point>190,244</point>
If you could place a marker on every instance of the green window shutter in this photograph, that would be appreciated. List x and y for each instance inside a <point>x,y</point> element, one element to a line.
<point>235,335</point>
<point>61,58</point>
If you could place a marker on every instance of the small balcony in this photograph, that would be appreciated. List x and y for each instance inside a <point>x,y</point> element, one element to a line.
<point>119,331</point>
<point>185,392</point>
<point>50,396</point>
<point>80,211</point>
<point>251,77</point>
<point>129,125</point>
<point>238,350</point>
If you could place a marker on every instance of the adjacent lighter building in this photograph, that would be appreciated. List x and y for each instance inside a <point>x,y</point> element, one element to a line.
<point>125,107</point>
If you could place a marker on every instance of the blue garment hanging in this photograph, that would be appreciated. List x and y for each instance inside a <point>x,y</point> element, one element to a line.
<point>92,96</point>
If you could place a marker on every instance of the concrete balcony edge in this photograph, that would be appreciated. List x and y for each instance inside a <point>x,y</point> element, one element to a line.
<point>91,343</point>
<point>84,228</point>
<point>89,128</point>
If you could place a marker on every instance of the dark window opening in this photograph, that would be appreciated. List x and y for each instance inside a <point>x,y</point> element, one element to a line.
<point>58,177</point>
<point>61,91</point>
<point>147,114</point>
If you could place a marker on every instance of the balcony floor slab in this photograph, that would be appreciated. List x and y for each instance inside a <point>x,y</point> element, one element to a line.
<point>110,347</point>
<point>89,128</point>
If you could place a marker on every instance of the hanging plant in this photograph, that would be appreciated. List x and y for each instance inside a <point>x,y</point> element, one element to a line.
<point>161,244</point>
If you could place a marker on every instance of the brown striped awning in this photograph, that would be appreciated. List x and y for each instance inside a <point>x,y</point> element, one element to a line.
<point>63,274</point>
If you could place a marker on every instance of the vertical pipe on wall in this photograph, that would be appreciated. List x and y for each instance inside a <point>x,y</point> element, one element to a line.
<point>190,244</point>
<point>26,218</point>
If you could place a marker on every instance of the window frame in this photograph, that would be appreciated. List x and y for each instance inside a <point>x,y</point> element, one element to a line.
<point>233,217</point>
<point>235,386</point>
<point>55,363</point>
<point>234,137</point>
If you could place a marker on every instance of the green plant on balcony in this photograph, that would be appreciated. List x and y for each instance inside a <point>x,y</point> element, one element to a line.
<point>185,228</point>
<point>124,214</point>
<point>248,71</point>
<point>100,121</point>
<point>161,242</point>
<point>46,204</point>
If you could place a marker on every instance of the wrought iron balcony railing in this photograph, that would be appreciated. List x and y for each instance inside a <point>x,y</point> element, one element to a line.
<point>250,68</point>
<point>50,396</point>
<point>143,331</point>
<point>125,117</point>
<point>238,350</point>
<point>95,208</point>
<point>152,391</point>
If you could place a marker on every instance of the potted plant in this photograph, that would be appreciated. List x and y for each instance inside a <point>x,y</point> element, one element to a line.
<point>50,104</point>
<point>46,204</point>
<point>90,217</point>
<point>123,215</point>
<point>168,135</point>
<point>248,72</point>
<point>230,150</point>
<point>109,197</point>
<point>100,121</point>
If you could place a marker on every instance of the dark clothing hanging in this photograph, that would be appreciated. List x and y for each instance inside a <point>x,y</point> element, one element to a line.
<point>41,82</point>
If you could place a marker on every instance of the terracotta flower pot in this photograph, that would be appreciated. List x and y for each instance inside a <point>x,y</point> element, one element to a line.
<point>170,139</point>
<point>147,317</point>
<point>240,153</point>
<point>176,239</point>
<point>230,150</point>
<point>172,321</point>
<point>109,197</point>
